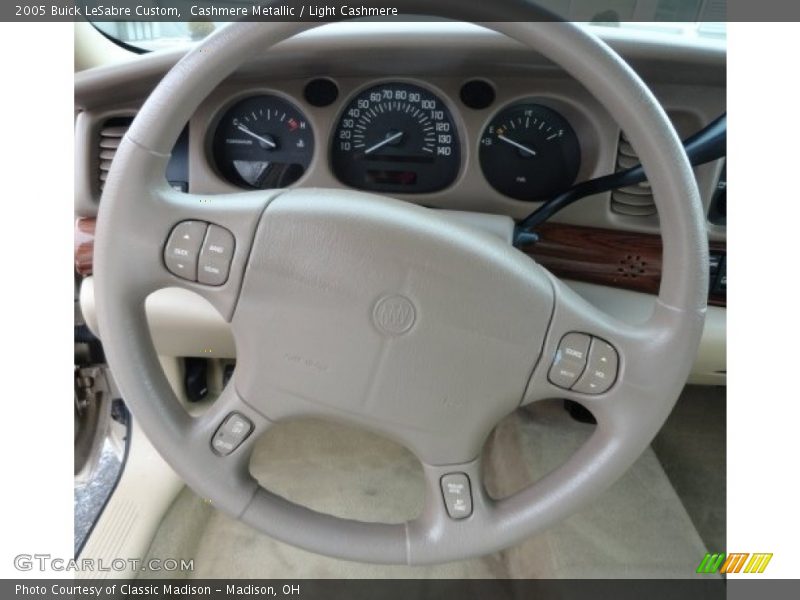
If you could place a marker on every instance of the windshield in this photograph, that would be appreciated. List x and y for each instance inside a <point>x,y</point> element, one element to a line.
<point>150,36</point>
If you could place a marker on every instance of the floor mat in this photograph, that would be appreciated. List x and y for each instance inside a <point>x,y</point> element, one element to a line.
<point>637,529</point>
<point>692,449</point>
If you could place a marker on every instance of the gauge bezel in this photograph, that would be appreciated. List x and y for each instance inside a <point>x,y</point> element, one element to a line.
<point>230,101</point>
<point>470,190</point>
<point>577,115</point>
<point>574,116</point>
<point>456,118</point>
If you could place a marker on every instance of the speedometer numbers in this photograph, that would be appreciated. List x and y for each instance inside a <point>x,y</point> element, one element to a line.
<point>529,152</point>
<point>396,137</point>
<point>263,142</point>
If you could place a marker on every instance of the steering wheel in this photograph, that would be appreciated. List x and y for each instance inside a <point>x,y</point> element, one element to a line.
<point>378,313</point>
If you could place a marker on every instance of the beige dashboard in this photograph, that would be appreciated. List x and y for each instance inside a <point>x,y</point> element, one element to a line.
<point>688,79</point>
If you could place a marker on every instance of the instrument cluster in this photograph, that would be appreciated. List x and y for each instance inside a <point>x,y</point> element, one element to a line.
<point>396,137</point>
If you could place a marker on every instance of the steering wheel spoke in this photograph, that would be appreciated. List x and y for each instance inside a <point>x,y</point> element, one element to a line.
<point>206,241</point>
<point>619,371</point>
<point>172,239</point>
<point>225,436</point>
<point>456,507</point>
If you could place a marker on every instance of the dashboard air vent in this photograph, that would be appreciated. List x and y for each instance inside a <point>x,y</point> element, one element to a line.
<point>634,200</point>
<point>111,133</point>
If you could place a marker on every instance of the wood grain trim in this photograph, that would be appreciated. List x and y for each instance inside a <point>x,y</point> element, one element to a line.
<point>84,245</point>
<point>607,257</point>
<point>603,256</point>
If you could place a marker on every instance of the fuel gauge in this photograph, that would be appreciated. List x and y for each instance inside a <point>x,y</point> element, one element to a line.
<point>529,152</point>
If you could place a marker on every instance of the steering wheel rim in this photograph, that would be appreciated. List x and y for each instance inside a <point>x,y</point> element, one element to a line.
<point>139,210</point>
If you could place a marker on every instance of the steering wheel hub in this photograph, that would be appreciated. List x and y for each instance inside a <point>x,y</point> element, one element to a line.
<point>323,324</point>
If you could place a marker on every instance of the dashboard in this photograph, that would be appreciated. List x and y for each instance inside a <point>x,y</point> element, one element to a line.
<point>444,115</point>
<point>479,92</point>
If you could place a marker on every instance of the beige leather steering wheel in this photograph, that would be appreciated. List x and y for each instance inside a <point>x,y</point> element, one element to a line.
<point>386,315</point>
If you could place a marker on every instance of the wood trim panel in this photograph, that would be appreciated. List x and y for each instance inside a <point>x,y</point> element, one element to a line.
<point>603,256</point>
<point>84,245</point>
<point>608,257</point>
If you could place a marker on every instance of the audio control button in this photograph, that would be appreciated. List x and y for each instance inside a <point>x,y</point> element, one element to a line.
<point>570,360</point>
<point>215,256</point>
<point>601,370</point>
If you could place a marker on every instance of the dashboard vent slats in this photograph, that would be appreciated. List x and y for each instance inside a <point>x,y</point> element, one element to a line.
<point>635,200</point>
<point>111,133</point>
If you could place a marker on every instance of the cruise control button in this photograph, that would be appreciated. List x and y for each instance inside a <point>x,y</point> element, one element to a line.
<point>215,256</point>
<point>183,249</point>
<point>231,433</point>
<point>570,360</point>
<point>601,370</point>
<point>457,495</point>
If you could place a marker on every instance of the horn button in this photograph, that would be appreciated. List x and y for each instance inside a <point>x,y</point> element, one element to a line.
<point>361,308</point>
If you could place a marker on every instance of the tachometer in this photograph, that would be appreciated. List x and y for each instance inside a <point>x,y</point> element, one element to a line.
<point>263,142</point>
<point>396,137</point>
<point>529,152</point>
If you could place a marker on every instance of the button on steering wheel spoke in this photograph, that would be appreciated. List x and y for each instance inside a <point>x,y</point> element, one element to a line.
<point>203,241</point>
<point>605,364</point>
<point>456,505</point>
<point>225,435</point>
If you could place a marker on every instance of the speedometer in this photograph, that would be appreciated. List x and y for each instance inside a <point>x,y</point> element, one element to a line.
<point>396,137</point>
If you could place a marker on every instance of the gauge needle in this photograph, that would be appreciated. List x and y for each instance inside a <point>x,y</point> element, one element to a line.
<point>252,134</point>
<point>389,139</point>
<point>516,145</point>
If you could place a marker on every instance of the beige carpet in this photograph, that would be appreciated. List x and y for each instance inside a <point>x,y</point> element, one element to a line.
<point>692,449</point>
<point>638,528</point>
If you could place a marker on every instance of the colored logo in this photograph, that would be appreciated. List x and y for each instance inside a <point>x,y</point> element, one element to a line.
<point>741,562</point>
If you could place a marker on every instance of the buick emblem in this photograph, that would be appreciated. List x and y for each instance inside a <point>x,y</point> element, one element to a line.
<point>394,315</point>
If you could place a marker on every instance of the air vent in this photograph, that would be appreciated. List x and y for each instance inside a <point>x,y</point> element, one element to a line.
<point>634,200</point>
<point>111,133</point>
